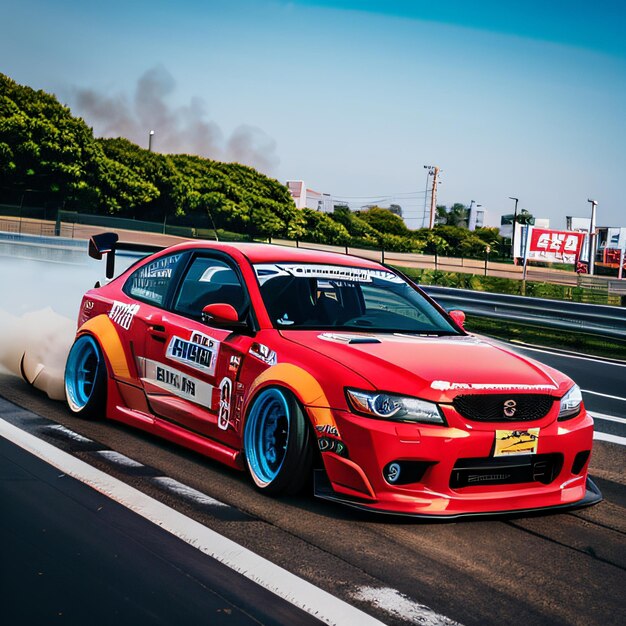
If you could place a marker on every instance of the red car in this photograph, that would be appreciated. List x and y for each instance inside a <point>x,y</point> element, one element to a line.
<point>289,362</point>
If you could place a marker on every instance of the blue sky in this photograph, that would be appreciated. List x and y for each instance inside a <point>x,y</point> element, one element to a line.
<point>513,98</point>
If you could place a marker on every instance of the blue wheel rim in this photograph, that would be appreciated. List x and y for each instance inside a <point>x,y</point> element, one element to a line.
<point>80,372</point>
<point>266,435</point>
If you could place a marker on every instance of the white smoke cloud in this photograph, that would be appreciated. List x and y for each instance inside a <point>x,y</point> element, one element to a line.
<point>37,343</point>
<point>183,129</point>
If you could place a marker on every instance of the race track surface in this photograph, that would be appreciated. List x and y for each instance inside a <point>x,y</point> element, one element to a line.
<point>560,568</point>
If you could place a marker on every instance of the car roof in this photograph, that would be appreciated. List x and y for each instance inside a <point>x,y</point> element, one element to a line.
<point>271,253</point>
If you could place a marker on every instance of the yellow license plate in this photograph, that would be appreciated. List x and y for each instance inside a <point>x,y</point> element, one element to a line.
<point>514,442</point>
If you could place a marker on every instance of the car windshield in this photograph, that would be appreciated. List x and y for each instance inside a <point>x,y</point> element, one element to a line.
<point>311,296</point>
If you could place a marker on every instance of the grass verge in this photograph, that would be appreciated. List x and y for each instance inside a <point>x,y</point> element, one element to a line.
<point>574,342</point>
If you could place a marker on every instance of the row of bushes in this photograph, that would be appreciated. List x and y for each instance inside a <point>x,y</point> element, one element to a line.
<point>510,286</point>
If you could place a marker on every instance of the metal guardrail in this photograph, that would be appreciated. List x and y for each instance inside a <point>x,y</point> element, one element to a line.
<point>593,319</point>
<point>600,320</point>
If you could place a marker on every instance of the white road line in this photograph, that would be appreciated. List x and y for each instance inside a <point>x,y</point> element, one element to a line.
<point>568,355</point>
<point>189,493</point>
<point>607,437</point>
<point>603,395</point>
<point>608,418</point>
<point>279,581</point>
<point>70,434</point>
<point>398,605</point>
<point>119,459</point>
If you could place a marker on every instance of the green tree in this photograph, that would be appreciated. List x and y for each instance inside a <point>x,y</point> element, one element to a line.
<point>457,215</point>
<point>384,221</point>
<point>320,228</point>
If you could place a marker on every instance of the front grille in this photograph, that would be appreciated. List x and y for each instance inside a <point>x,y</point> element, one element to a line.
<point>503,407</point>
<point>539,468</point>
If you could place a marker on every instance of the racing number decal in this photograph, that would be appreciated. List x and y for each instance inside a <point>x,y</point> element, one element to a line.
<point>226,391</point>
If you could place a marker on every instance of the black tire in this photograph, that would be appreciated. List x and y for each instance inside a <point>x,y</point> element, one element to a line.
<point>85,378</point>
<point>278,443</point>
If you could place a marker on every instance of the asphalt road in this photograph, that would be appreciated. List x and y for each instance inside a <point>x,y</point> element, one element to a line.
<point>565,568</point>
<point>603,384</point>
<point>72,555</point>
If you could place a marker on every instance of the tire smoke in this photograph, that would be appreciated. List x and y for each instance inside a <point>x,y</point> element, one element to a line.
<point>35,346</point>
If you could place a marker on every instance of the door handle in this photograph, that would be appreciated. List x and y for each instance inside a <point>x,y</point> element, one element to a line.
<point>157,331</point>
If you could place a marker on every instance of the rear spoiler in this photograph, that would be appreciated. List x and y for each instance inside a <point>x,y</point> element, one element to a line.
<point>104,244</point>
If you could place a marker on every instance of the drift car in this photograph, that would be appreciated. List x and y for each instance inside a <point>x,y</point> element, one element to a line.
<point>286,362</point>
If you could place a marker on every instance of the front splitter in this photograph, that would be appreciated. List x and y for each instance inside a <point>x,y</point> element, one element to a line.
<point>323,490</point>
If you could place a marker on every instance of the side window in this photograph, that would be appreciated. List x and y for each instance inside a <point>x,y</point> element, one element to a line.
<point>208,281</point>
<point>151,282</point>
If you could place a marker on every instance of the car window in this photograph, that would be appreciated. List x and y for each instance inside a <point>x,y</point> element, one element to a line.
<point>151,281</point>
<point>327,296</point>
<point>208,281</point>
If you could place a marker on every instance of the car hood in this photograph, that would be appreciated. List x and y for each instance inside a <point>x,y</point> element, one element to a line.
<point>430,367</point>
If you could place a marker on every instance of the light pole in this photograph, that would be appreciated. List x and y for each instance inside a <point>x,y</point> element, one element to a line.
<point>592,237</point>
<point>150,135</point>
<point>514,223</point>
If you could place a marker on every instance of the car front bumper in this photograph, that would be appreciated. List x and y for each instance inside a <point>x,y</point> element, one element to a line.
<point>452,469</point>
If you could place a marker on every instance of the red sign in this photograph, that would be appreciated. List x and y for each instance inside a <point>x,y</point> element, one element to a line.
<point>555,246</point>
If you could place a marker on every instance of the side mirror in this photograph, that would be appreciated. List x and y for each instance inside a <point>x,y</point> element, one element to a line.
<point>221,314</point>
<point>458,317</point>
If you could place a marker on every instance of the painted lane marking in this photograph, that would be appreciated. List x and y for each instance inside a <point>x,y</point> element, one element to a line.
<point>612,438</point>
<point>189,493</point>
<point>119,459</point>
<point>609,418</point>
<point>603,395</point>
<point>70,434</point>
<point>279,581</point>
<point>398,605</point>
<point>569,355</point>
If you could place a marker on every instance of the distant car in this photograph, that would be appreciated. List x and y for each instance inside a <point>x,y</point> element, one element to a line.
<point>290,363</point>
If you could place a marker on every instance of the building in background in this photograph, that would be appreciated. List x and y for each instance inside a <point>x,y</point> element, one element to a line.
<point>308,198</point>
<point>579,224</point>
<point>476,218</point>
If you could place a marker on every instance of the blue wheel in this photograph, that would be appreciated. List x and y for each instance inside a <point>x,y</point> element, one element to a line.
<point>85,378</point>
<point>277,442</point>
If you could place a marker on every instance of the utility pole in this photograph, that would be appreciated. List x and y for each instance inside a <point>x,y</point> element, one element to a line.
<point>592,237</point>
<point>434,172</point>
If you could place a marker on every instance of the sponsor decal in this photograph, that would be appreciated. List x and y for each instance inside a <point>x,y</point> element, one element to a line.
<point>161,268</point>
<point>330,272</point>
<point>199,352</point>
<point>263,353</point>
<point>477,478</point>
<point>176,382</point>
<point>88,305</point>
<point>234,364</point>
<point>516,442</point>
<point>327,429</point>
<point>332,445</point>
<point>122,314</point>
<point>444,385</point>
<point>337,274</point>
<point>226,391</point>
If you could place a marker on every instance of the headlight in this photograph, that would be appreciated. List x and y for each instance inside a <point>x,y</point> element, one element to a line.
<point>570,404</point>
<point>392,407</point>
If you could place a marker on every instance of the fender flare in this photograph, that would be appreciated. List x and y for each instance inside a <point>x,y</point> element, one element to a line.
<point>104,331</point>
<point>304,386</point>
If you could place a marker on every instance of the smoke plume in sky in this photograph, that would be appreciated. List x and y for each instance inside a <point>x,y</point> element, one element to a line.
<point>178,129</point>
